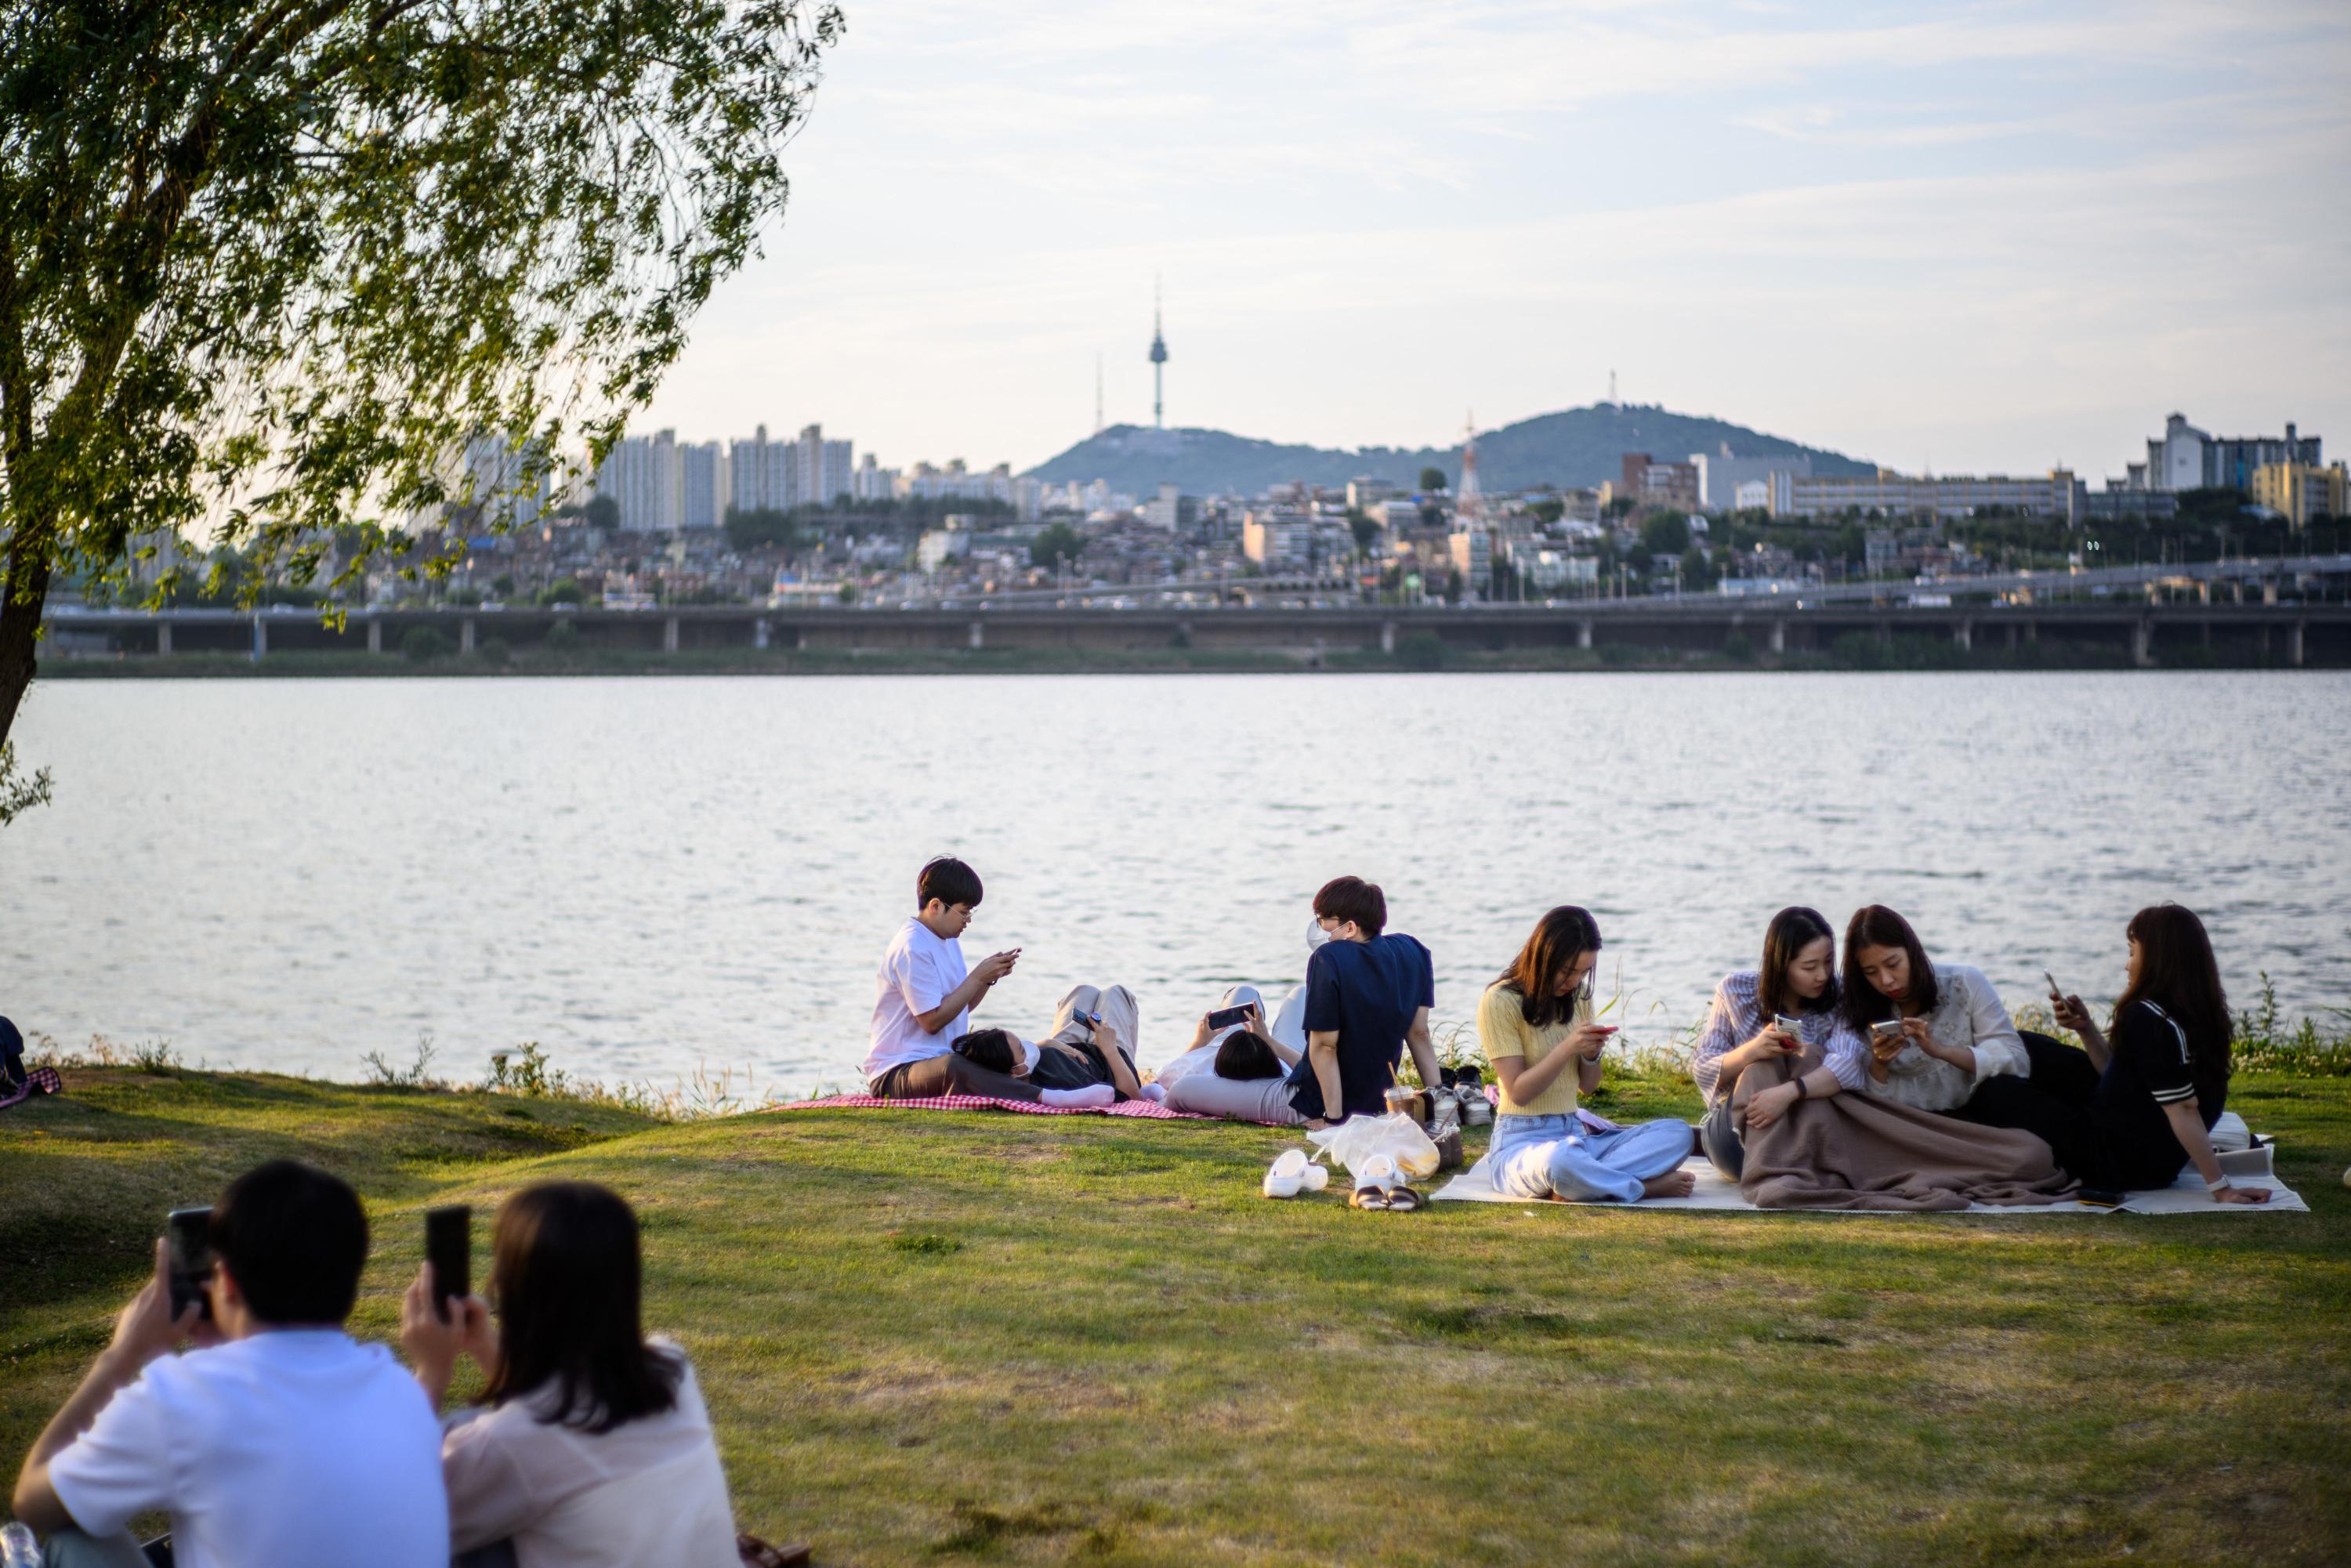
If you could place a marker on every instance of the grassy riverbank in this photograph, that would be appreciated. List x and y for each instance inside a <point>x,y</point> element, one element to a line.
<point>1032,1339</point>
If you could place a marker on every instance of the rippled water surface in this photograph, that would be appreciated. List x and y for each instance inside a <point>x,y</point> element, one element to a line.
<point>646,875</point>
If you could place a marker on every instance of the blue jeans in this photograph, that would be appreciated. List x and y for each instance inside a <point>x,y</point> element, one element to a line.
<point>1546,1156</point>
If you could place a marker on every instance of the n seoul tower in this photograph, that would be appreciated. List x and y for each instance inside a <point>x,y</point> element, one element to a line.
<point>1158,359</point>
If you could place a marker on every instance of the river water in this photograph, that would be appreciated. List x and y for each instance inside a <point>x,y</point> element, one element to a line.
<point>648,875</point>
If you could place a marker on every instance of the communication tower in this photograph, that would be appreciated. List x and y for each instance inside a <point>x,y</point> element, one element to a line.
<point>1158,359</point>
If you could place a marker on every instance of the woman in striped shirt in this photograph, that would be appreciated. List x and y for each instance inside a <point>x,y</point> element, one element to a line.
<point>1797,982</point>
<point>2145,1100</point>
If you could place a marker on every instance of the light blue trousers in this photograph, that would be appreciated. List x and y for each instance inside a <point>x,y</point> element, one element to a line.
<point>1542,1156</point>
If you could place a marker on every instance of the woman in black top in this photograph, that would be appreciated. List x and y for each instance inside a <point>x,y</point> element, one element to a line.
<point>2146,1100</point>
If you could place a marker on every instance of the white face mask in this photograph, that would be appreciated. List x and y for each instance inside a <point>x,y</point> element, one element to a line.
<point>1315,934</point>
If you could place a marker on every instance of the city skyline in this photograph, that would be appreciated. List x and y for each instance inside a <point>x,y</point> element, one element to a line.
<point>1973,237</point>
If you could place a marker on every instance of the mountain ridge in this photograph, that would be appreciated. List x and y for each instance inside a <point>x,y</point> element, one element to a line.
<point>1569,447</point>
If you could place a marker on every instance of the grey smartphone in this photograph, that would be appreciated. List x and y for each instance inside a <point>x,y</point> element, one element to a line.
<point>1787,1025</point>
<point>449,1248</point>
<point>2053,983</point>
<point>188,1260</point>
<point>1225,1017</point>
<point>1885,1028</point>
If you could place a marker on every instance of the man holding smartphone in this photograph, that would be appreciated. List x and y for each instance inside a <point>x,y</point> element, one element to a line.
<point>278,1438</point>
<point>922,997</point>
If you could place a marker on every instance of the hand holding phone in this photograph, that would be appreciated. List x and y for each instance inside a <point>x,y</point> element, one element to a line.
<point>1226,1018</point>
<point>449,1248</point>
<point>188,1247</point>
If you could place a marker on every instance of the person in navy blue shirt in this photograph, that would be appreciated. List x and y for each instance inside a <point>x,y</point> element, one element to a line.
<point>1367,997</point>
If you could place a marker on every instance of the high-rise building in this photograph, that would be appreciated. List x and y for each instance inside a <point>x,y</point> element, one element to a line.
<point>498,488</point>
<point>705,494</point>
<point>644,479</point>
<point>1721,477</point>
<point>2185,458</point>
<point>760,471</point>
<point>2300,492</point>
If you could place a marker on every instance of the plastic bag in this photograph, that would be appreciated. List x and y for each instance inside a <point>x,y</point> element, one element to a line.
<point>1355,1140</point>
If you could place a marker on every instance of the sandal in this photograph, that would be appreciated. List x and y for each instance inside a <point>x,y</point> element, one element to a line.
<point>1371,1194</point>
<point>1401,1199</point>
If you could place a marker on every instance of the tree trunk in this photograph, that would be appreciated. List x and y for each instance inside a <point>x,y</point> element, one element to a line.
<point>20,631</point>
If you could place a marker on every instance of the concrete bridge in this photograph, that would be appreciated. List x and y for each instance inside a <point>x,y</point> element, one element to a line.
<point>2285,631</point>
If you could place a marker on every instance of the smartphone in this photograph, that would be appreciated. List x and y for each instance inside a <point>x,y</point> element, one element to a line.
<point>2053,983</point>
<point>188,1257</point>
<point>1885,1028</point>
<point>2098,1197</point>
<point>1788,1026</point>
<point>1225,1017</point>
<point>449,1248</point>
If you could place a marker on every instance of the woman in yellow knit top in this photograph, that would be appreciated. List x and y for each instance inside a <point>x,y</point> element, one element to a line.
<point>1535,1026</point>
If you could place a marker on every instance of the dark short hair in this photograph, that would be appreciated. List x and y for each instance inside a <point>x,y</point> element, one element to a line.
<point>295,1239</point>
<point>569,1278</point>
<point>949,881</point>
<point>1560,938</point>
<point>988,1048</point>
<point>1791,931</point>
<point>1247,1056</point>
<point>1875,926</point>
<point>1351,898</point>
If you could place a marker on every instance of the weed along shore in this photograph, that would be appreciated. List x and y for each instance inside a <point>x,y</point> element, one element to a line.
<point>928,1335</point>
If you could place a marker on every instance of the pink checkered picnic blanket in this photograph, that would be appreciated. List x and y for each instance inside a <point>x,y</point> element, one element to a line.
<point>1142,1108</point>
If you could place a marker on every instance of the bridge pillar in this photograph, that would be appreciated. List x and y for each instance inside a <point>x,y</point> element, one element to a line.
<point>1387,636</point>
<point>2293,644</point>
<point>2012,637</point>
<point>2143,642</point>
<point>760,632</point>
<point>465,635</point>
<point>1583,632</point>
<point>2032,632</point>
<point>1964,634</point>
<point>978,637</point>
<point>375,635</point>
<point>669,634</point>
<point>162,636</point>
<point>1779,636</point>
<point>260,635</point>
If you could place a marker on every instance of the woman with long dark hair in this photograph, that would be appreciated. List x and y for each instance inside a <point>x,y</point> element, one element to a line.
<point>590,1446</point>
<point>1535,1024</point>
<point>1937,1035</point>
<point>1796,985</point>
<point>2145,1099</point>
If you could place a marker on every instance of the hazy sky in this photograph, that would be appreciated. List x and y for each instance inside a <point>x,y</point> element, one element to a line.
<point>1969,236</point>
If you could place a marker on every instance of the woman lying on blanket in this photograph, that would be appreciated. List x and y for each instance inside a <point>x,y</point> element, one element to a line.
<point>2140,1105</point>
<point>1248,1081</point>
<point>1535,1026</point>
<point>1796,985</point>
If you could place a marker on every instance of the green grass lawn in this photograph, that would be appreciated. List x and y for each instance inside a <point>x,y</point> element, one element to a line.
<point>933,1337</point>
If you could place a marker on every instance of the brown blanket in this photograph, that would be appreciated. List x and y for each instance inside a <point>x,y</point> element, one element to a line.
<point>1853,1150</point>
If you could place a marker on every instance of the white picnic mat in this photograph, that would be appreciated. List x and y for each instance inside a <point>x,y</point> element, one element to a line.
<point>2248,1167</point>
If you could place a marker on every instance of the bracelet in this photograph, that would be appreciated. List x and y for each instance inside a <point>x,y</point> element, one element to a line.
<point>1802,1093</point>
<point>2220,1186</point>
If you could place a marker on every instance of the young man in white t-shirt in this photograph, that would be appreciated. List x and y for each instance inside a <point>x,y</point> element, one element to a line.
<point>922,997</point>
<point>278,1442</point>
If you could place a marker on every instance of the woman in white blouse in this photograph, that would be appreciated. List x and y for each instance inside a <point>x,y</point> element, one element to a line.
<point>589,1447</point>
<point>1938,1037</point>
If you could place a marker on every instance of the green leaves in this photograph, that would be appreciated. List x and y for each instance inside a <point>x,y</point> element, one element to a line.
<point>265,272</point>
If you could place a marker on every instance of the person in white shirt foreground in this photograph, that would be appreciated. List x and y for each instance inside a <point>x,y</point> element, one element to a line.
<point>922,997</point>
<point>277,1441</point>
<point>590,1446</point>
